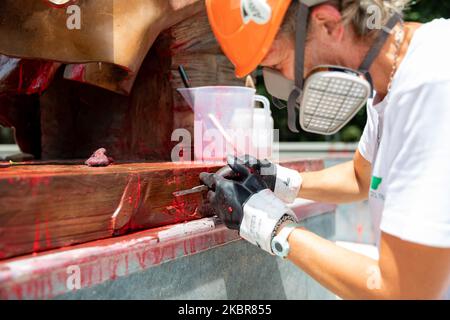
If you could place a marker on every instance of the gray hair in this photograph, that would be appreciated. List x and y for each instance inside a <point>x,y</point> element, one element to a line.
<point>366,16</point>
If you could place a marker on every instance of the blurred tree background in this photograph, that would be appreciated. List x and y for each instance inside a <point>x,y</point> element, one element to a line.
<point>420,11</point>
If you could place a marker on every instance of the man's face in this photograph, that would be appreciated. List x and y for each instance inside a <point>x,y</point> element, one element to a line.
<point>327,44</point>
<point>281,56</point>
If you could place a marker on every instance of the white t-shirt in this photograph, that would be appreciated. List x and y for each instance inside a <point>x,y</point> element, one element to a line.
<point>407,141</point>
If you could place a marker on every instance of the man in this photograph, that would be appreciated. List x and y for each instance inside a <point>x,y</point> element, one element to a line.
<point>402,162</point>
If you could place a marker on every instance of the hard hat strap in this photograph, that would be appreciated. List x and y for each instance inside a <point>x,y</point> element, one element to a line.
<point>301,32</point>
<point>378,45</point>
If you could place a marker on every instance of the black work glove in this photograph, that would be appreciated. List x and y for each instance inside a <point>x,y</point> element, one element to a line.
<point>247,204</point>
<point>227,197</point>
<point>284,182</point>
<point>266,169</point>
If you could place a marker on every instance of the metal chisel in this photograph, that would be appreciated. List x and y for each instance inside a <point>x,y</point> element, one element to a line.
<point>224,172</point>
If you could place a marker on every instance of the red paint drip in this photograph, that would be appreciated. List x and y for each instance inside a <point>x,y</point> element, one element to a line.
<point>115,264</point>
<point>89,276</point>
<point>185,247</point>
<point>39,83</point>
<point>19,88</point>
<point>18,291</point>
<point>126,264</point>
<point>141,259</point>
<point>48,241</point>
<point>169,252</point>
<point>181,153</point>
<point>157,256</point>
<point>101,272</point>
<point>138,195</point>
<point>50,287</point>
<point>77,73</point>
<point>192,245</point>
<point>35,182</point>
<point>36,236</point>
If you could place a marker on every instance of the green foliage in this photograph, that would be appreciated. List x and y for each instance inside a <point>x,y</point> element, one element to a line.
<point>420,11</point>
<point>426,10</point>
<point>6,136</point>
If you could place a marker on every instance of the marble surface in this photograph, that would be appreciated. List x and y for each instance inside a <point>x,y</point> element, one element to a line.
<point>237,270</point>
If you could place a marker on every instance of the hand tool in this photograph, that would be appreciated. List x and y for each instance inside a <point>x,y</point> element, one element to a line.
<point>224,172</point>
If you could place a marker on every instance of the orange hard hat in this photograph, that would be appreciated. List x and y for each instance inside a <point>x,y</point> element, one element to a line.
<point>246,29</point>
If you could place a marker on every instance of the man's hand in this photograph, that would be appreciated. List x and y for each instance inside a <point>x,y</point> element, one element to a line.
<point>227,197</point>
<point>284,182</point>
<point>246,204</point>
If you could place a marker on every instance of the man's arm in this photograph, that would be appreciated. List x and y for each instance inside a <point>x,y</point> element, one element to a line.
<point>405,270</point>
<point>344,183</point>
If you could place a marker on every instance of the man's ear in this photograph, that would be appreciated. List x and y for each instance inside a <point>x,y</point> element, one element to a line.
<point>327,21</point>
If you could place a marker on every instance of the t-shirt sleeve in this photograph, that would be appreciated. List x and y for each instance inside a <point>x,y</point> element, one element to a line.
<point>368,139</point>
<point>417,204</point>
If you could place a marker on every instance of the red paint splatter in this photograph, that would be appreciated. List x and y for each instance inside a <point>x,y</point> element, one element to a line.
<point>39,224</point>
<point>184,208</point>
<point>36,236</point>
<point>172,251</point>
<point>77,72</point>
<point>360,230</point>
<point>157,255</point>
<point>19,88</point>
<point>48,241</point>
<point>113,274</point>
<point>18,291</point>
<point>89,277</point>
<point>219,237</point>
<point>35,289</point>
<point>138,195</point>
<point>141,259</point>
<point>50,287</point>
<point>29,288</point>
<point>44,76</point>
<point>101,272</point>
<point>35,182</point>
<point>192,245</point>
<point>185,247</point>
<point>62,276</point>
<point>126,264</point>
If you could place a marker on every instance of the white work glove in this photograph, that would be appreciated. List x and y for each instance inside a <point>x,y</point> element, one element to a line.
<point>246,204</point>
<point>284,182</point>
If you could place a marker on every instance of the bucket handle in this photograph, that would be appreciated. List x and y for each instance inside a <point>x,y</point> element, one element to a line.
<point>265,102</point>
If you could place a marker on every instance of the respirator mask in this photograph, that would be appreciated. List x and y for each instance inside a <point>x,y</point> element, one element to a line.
<point>330,96</point>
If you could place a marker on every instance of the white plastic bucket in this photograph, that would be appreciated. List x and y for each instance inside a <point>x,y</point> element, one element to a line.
<point>263,133</point>
<point>223,120</point>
